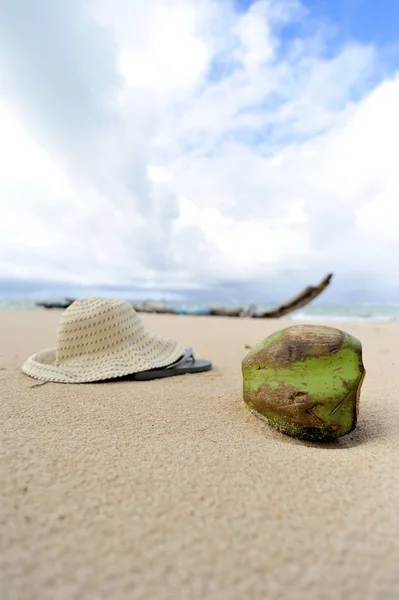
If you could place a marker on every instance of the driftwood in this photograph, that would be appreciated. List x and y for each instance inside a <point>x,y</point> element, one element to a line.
<point>302,299</point>
<point>67,302</point>
<point>306,296</point>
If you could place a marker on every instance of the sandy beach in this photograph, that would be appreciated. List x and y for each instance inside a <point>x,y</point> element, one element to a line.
<point>172,489</point>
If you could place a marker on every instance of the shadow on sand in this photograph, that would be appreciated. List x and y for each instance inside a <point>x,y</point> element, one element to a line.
<point>367,430</point>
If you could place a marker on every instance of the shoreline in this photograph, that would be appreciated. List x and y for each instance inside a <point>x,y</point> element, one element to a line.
<point>295,317</point>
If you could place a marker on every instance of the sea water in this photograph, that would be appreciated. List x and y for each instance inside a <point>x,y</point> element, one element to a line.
<point>316,311</point>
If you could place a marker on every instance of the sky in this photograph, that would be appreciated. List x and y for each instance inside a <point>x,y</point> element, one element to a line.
<point>198,148</point>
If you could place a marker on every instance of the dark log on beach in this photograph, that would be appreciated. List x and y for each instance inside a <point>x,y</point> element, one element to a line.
<point>159,311</point>
<point>153,307</point>
<point>233,312</point>
<point>306,296</point>
<point>248,312</point>
<point>226,312</point>
<point>64,305</point>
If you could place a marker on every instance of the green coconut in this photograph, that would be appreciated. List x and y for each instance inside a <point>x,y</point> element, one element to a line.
<point>305,381</point>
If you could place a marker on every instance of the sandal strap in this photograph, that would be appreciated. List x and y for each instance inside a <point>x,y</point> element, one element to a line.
<point>188,355</point>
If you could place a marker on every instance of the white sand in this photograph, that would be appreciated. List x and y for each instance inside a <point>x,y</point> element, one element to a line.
<point>173,490</point>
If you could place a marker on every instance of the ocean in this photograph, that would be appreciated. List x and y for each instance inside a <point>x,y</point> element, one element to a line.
<point>316,311</point>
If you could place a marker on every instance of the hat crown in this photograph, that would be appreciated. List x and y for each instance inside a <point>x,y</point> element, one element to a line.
<point>94,326</point>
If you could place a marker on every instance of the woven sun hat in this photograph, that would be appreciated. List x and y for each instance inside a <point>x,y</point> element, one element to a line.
<point>99,339</point>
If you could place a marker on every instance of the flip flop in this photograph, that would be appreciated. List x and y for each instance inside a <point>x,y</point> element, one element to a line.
<point>186,364</point>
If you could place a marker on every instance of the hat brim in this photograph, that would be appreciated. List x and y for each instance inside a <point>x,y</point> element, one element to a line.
<point>117,363</point>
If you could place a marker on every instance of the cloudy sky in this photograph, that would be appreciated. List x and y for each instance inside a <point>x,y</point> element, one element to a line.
<point>245,148</point>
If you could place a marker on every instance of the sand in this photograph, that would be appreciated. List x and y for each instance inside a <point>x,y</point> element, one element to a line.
<point>172,489</point>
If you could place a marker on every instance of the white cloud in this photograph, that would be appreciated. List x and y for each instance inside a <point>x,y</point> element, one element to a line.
<point>197,145</point>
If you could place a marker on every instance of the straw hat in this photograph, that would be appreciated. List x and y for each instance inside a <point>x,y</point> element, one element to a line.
<point>100,338</point>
